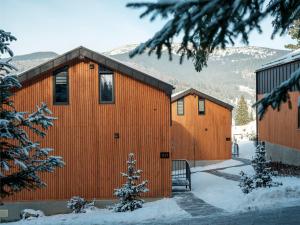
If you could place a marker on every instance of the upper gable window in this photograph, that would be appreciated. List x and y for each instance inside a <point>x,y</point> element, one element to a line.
<point>106,85</point>
<point>201,106</point>
<point>61,87</point>
<point>180,107</point>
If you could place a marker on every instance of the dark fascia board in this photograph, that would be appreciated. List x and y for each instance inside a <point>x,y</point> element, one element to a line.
<point>81,53</point>
<point>192,91</point>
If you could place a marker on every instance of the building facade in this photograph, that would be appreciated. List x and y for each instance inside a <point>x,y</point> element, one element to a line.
<point>105,110</point>
<point>280,130</point>
<point>201,127</point>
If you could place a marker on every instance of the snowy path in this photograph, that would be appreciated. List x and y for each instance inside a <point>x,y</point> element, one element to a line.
<point>245,161</point>
<point>227,176</point>
<point>195,206</point>
<point>220,171</point>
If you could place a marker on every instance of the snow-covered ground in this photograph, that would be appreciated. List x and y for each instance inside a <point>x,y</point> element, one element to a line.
<point>247,149</point>
<point>242,133</point>
<point>223,164</point>
<point>226,194</point>
<point>236,170</point>
<point>165,209</point>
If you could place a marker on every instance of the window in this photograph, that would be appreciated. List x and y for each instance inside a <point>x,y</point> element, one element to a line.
<point>201,106</point>
<point>180,107</point>
<point>61,87</point>
<point>106,83</point>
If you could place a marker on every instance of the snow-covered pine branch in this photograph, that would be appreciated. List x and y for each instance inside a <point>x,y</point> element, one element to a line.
<point>21,159</point>
<point>208,25</point>
<point>278,95</point>
<point>129,193</point>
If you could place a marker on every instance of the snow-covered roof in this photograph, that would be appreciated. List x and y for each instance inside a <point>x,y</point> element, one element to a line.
<point>179,92</point>
<point>290,57</point>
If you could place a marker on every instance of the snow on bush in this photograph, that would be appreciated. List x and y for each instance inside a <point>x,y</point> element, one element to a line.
<point>285,195</point>
<point>129,193</point>
<point>28,214</point>
<point>263,174</point>
<point>80,205</point>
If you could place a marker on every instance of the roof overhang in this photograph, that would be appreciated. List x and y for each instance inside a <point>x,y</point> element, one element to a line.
<point>193,91</point>
<point>84,53</point>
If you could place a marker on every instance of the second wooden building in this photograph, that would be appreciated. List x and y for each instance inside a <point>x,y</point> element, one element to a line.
<point>201,127</point>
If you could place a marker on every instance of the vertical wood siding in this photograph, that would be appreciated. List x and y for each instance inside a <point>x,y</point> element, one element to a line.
<point>281,127</point>
<point>201,137</point>
<point>84,135</point>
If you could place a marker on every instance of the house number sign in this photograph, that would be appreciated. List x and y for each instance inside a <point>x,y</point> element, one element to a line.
<point>164,155</point>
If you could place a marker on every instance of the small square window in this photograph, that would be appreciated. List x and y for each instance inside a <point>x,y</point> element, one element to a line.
<point>180,107</point>
<point>201,106</point>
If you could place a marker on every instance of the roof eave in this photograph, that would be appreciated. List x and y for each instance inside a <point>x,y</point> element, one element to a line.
<point>198,93</point>
<point>81,53</point>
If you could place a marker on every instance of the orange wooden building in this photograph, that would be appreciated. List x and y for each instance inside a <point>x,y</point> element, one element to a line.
<point>201,127</point>
<point>280,130</point>
<point>105,110</point>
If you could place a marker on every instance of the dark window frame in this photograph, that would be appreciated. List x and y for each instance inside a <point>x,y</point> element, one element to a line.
<point>54,86</point>
<point>204,111</point>
<point>106,71</point>
<point>180,100</point>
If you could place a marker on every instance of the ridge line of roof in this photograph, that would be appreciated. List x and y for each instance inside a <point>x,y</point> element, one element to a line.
<point>83,52</point>
<point>189,91</point>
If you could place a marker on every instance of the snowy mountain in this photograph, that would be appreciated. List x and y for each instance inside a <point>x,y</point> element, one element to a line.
<point>230,72</point>
<point>24,62</point>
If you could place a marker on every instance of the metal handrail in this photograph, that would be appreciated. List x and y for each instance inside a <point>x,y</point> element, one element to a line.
<point>181,170</point>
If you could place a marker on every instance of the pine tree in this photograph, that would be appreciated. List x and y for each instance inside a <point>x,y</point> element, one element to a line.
<point>242,114</point>
<point>294,32</point>
<point>263,174</point>
<point>21,159</point>
<point>129,193</point>
<point>204,26</point>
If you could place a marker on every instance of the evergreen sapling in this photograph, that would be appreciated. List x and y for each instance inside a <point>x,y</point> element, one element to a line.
<point>129,193</point>
<point>263,174</point>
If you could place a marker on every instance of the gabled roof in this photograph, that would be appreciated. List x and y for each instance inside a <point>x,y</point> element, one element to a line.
<point>82,53</point>
<point>193,91</point>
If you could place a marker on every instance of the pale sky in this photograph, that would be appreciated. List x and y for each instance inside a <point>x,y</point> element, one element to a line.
<point>101,25</point>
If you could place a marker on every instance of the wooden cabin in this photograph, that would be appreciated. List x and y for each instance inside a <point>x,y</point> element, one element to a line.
<point>280,130</point>
<point>201,127</point>
<point>105,110</point>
